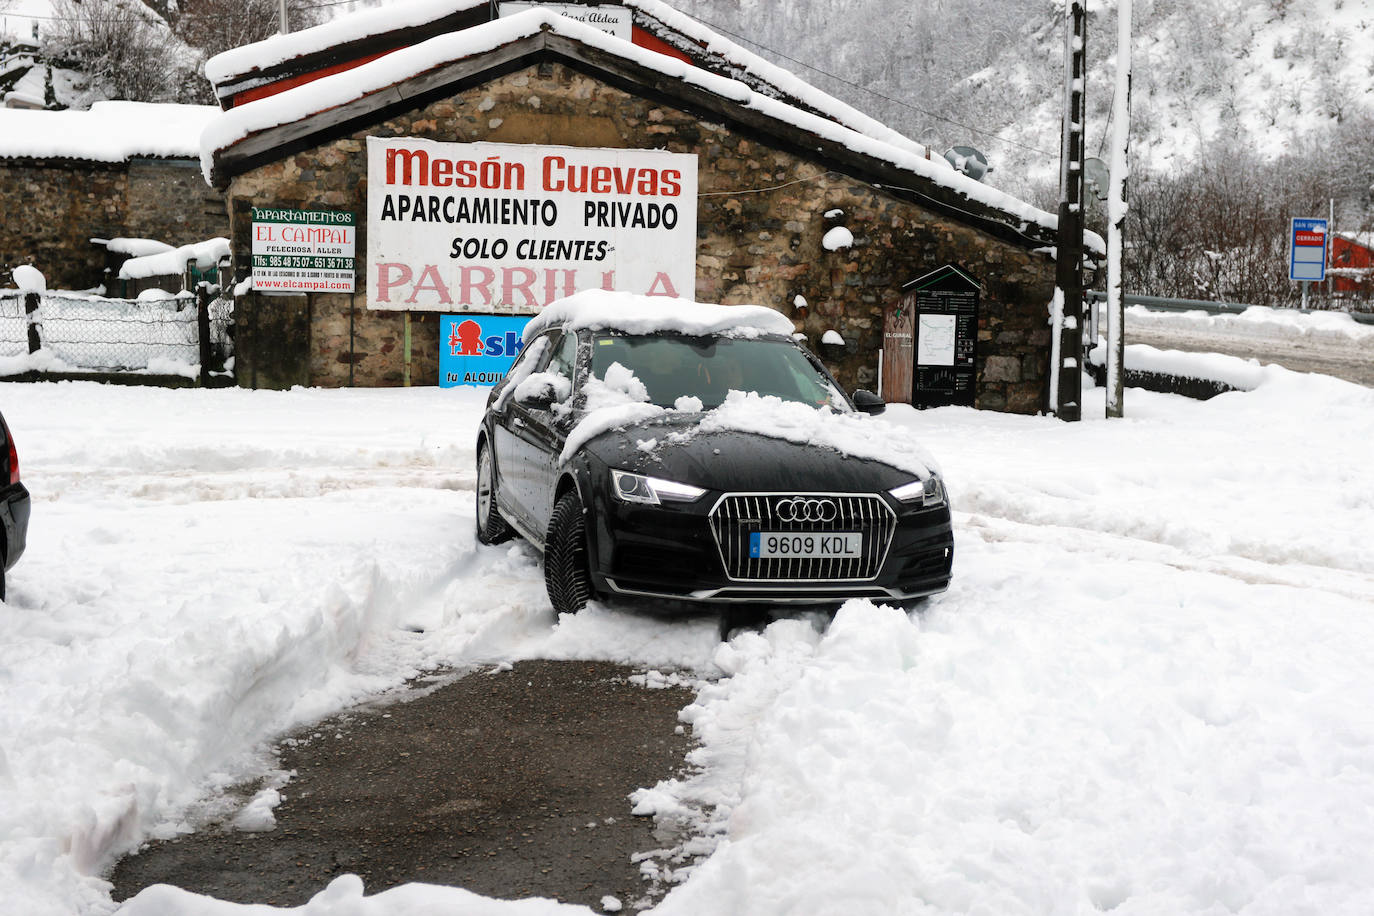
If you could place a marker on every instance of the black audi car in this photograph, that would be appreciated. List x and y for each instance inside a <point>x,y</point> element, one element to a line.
<point>603,448</point>
<point>14,506</point>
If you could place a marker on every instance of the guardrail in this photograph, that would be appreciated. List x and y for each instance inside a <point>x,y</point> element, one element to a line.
<point>1214,308</point>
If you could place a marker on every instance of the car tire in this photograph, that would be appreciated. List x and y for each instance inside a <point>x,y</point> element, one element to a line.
<point>491,527</point>
<point>566,577</point>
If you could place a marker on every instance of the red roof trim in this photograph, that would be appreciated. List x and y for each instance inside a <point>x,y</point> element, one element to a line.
<point>290,82</point>
<point>651,41</point>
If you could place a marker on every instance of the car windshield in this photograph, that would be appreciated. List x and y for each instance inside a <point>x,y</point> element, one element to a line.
<point>708,368</point>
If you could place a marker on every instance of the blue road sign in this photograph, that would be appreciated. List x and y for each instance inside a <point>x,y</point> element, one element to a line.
<point>478,349</point>
<point>1307,249</point>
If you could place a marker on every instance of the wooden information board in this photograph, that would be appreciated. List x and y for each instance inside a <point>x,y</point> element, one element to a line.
<point>945,305</point>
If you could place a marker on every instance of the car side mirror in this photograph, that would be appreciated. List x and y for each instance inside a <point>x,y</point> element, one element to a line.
<point>538,396</point>
<point>868,402</point>
<point>543,400</point>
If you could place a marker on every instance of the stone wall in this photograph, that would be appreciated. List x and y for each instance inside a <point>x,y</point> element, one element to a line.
<point>762,212</point>
<point>168,200</point>
<point>52,211</point>
<point>54,208</point>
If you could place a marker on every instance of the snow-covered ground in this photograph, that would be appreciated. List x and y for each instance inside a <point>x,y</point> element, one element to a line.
<point>1147,689</point>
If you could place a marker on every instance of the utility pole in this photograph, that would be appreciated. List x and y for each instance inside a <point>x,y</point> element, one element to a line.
<point>1066,333</point>
<point>284,27</point>
<point>1116,212</point>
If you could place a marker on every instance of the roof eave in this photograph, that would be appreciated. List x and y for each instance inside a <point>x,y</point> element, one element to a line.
<point>313,61</point>
<point>275,143</point>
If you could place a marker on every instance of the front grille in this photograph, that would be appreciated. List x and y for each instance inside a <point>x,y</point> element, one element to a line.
<point>738,515</point>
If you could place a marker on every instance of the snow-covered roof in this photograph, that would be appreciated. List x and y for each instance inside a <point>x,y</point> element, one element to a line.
<point>659,17</point>
<point>636,314</point>
<point>1363,239</point>
<point>368,81</point>
<point>173,262</point>
<point>278,49</point>
<point>134,248</point>
<point>108,132</point>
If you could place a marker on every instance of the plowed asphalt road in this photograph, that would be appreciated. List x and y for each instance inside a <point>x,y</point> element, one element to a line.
<point>510,784</point>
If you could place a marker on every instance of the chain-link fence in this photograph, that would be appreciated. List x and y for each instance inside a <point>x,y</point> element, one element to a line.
<point>71,332</point>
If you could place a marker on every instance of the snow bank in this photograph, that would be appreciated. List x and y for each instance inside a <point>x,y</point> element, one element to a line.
<point>1232,371</point>
<point>1146,690</point>
<point>108,132</point>
<point>1257,322</point>
<point>344,897</point>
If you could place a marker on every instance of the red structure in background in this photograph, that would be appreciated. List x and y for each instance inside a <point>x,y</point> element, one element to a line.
<point>1352,251</point>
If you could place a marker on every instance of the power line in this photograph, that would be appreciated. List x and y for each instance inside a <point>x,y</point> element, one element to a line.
<point>840,79</point>
<point>709,24</point>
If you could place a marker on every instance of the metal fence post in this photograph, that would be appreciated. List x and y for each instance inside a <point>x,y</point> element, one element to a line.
<point>203,331</point>
<point>30,309</point>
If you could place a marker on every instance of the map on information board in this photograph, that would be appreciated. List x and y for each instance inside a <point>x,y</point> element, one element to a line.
<point>935,340</point>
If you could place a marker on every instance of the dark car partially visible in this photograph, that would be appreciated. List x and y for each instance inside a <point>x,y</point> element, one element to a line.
<point>14,505</point>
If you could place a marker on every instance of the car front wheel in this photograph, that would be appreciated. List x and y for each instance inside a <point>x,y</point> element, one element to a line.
<point>491,527</point>
<point>565,556</point>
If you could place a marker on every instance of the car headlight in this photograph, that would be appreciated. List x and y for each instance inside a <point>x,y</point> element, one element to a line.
<point>636,488</point>
<point>929,492</point>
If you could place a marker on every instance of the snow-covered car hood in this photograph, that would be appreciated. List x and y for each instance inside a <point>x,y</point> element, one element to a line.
<point>817,450</point>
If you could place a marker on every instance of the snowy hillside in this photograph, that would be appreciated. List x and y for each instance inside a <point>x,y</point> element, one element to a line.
<point>1210,76</point>
<point>1264,75</point>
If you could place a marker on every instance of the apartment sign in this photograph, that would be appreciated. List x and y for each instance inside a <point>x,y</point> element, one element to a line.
<point>303,251</point>
<point>509,228</point>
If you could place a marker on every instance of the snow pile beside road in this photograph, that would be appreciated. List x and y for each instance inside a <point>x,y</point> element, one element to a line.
<point>344,895</point>
<point>1146,688</point>
<point>901,765</point>
<point>1233,371</point>
<point>1256,321</point>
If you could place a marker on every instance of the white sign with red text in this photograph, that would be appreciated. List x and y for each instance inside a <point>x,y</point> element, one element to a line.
<point>497,227</point>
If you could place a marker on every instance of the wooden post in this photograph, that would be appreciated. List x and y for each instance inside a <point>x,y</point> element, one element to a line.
<point>203,331</point>
<point>30,309</point>
<point>405,375</point>
<point>1066,369</point>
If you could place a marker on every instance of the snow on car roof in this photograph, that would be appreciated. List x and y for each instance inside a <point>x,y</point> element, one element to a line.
<point>637,314</point>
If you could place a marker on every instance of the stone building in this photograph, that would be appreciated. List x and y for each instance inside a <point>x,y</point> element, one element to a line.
<point>779,168</point>
<point>122,169</point>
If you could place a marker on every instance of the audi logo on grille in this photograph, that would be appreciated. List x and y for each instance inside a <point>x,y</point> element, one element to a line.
<point>802,509</point>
